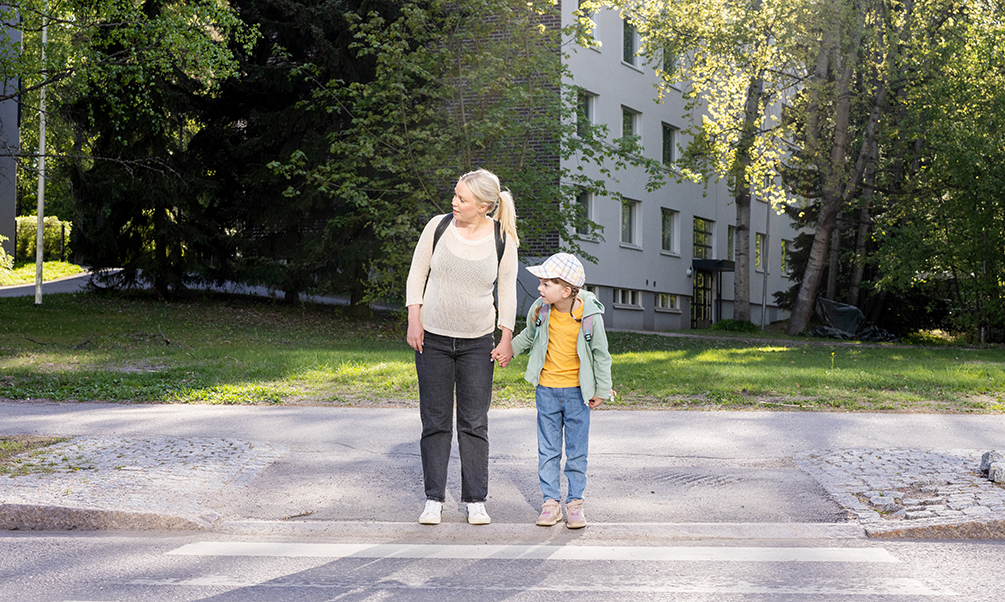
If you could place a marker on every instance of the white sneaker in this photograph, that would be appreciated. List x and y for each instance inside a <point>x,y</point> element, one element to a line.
<point>477,514</point>
<point>431,513</point>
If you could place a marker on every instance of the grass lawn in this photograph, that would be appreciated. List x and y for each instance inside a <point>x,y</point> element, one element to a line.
<point>24,272</point>
<point>209,349</point>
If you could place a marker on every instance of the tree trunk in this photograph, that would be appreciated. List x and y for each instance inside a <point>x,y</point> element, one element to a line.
<point>839,182</point>
<point>861,237</point>
<point>834,262</point>
<point>741,196</point>
<point>741,248</point>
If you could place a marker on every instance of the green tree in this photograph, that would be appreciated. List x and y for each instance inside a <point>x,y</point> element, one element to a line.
<point>103,44</point>
<point>733,66</point>
<point>949,237</point>
<point>136,74</point>
<point>286,243</point>
<point>457,85</point>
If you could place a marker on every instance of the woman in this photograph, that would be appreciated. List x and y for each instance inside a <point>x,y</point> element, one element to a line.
<point>451,326</point>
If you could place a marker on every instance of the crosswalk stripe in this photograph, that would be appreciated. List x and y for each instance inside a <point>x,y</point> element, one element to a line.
<point>537,552</point>
<point>860,588</point>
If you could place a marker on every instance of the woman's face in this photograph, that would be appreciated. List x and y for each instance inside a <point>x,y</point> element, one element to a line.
<point>467,208</point>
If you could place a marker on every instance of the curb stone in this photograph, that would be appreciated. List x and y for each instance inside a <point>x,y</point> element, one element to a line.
<point>875,486</point>
<point>25,517</point>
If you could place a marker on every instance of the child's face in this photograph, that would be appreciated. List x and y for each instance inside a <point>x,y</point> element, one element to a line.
<point>553,292</point>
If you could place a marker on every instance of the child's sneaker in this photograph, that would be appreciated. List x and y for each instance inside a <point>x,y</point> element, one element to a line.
<point>431,513</point>
<point>551,514</point>
<point>575,519</point>
<point>477,514</point>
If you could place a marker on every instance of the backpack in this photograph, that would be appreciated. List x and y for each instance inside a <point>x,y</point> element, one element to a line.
<point>542,313</point>
<point>442,227</point>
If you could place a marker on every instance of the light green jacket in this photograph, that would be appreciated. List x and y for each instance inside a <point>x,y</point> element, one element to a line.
<point>594,359</point>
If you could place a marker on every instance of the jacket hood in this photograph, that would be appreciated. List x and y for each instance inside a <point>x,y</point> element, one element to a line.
<point>591,305</point>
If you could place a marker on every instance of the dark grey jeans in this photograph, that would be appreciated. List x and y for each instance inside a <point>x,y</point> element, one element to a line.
<point>446,365</point>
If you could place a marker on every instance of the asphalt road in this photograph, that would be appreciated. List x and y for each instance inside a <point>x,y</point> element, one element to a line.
<point>172,568</point>
<point>352,464</point>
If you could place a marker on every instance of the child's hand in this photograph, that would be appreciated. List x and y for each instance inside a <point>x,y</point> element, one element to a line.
<point>503,352</point>
<point>502,357</point>
<point>596,401</point>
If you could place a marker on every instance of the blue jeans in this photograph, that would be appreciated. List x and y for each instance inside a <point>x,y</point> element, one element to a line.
<point>446,365</point>
<point>558,411</point>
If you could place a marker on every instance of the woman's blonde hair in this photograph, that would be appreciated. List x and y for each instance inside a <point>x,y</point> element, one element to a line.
<point>484,185</point>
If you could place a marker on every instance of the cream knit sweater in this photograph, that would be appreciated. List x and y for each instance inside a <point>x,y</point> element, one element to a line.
<point>457,301</point>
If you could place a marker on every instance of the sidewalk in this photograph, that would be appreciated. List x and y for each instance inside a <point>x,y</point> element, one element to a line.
<point>354,472</point>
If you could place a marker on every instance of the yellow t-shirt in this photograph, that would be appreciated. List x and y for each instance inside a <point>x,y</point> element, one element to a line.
<point>561,362</point>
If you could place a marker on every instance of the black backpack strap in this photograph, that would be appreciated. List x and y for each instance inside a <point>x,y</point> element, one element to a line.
<point>440,229</point>
<point>500,235</point>
<point>500,241</point>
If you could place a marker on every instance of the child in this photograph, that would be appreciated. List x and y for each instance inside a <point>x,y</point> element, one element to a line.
<point>571,367</point>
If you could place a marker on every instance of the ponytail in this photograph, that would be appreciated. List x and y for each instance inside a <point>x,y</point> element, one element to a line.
<point>506,215</point>
<point>485,186</point>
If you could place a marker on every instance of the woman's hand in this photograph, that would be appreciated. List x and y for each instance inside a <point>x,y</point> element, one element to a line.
<point>415,334</point>
<point>596,401</point>
<point>503,352</point>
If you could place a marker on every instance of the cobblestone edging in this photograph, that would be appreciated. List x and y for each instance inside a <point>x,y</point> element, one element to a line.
<point>911,492</point>
<point>100,482</point>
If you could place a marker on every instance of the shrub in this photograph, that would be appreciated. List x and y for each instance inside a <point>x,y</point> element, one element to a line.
<point>54,246</point>
<point>735,326</point>
<point>6,261</point>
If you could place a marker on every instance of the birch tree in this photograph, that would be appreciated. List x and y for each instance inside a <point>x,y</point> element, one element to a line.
<point>734,65</point>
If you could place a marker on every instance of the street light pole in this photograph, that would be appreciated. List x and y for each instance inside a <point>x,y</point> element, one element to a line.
<point>40,234</point>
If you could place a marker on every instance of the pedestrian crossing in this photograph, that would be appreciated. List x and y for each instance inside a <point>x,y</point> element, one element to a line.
<point>537,552</point>
<point>271,570</point>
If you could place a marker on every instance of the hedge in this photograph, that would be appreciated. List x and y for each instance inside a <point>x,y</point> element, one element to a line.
<point>56,239</point>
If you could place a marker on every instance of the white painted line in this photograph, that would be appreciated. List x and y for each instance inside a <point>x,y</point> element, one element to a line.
<point>867,589</point>
<point>542,552</point>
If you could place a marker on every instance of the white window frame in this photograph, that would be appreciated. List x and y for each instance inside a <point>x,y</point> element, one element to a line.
<point>731,243</point>
<point>674,231</point>
<point>634,208</point>
<point>586,199</point>
<point>759,240</point>
<point>590,106</point>
<point>674,133</point>
<point>627,298</point>
<point>636,120</point>
<point>785,248</point>
<point>635,44</point>
<point>667,302</point>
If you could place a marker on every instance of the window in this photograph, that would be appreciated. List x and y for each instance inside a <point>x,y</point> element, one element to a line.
<point>584,208</point>
<point>584,113</point>
<point>629,122</point>
<point>702,238</point>
<point>669,145</point>
<point>669,61</point>
<point>666,301</point>
<point>624,296</point>
<point>631,44</point>
<point>629,222</point>
<point>584,28</point>
<point>759,251</point>
<point>785,256</point>
<point>670,231</point>
<point>731,243</point>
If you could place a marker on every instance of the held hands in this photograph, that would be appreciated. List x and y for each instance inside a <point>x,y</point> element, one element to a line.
<point>503,352</point>
<point>501,357</point>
